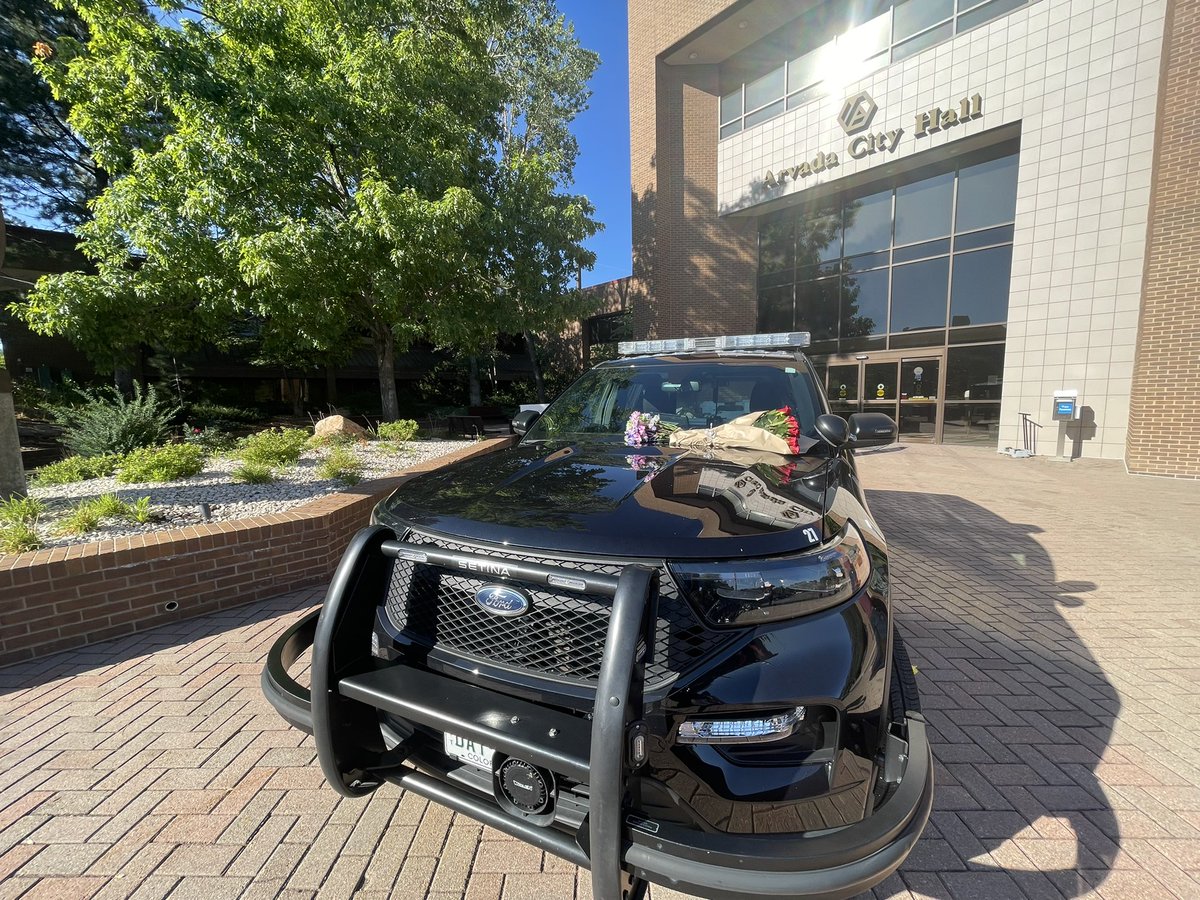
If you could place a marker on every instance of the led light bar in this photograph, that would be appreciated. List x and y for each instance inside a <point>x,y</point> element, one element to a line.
<point>779,340</point>
<point>740,731</point>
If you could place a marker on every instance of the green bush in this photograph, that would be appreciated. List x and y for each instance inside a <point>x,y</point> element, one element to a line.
<point>400,431</point>
<point>18,537</point>
<point>342,465</point>
<point>218,414</point>
<point>168,463</point>
<point>210,440</point>
<point>109,423</point>
<point>333,439</point>
<point>140,512</point>
<point>253,473</point>
<point>77,468</point>
<point>83,518</point>
<point>273,447</point>
<point>110,506</point>
<point>26,510</point>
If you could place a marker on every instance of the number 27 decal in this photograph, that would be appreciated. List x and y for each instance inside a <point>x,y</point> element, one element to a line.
<point>811,534</point>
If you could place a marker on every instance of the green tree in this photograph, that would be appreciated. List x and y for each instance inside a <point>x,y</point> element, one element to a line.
<point>45,168</point>
<point>546,72</point>
<point>321,167</point>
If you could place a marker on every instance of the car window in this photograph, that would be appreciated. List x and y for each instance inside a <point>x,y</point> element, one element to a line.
<point>691,395</point>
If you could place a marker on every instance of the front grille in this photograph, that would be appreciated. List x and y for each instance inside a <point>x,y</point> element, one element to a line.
<point>562,635</point>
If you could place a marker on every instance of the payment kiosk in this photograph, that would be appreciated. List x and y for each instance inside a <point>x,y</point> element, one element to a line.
<point>1066,411</point>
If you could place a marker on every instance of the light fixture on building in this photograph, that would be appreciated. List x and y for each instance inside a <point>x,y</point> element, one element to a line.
<point>862,356</point>
<point>693,55</point>
<point>743,23</point>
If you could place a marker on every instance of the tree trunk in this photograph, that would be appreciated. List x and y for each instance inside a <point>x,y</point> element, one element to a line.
<point>3,236</point>
<point>537,370</point>
<point>12,471</point>
<point>330,387</point>
<point>385,356</point>
<point>475,397</point>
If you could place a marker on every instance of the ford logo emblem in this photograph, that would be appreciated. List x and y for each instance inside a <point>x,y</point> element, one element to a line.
<point>502,601</point>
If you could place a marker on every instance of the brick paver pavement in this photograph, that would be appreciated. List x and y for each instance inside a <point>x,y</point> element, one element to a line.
<point>1052,611</point>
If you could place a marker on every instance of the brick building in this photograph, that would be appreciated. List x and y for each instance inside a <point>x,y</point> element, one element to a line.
<point>970,204</point>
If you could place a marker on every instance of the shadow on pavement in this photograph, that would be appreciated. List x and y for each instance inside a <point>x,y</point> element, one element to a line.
<point>1021,712</point>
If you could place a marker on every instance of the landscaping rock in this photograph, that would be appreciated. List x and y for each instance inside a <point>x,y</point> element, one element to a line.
<point>339,425</point>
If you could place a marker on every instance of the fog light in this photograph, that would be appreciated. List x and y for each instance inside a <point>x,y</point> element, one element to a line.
<point>741,731</point>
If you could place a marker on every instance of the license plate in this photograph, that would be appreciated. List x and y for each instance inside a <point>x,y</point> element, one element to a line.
<point>468,751</point>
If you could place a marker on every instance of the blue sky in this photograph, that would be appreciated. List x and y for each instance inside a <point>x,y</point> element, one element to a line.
<point>602,171</point>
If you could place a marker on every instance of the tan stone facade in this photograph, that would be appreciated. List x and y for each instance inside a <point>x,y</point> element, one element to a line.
<point>1164,414</point>
<point>697,270</point>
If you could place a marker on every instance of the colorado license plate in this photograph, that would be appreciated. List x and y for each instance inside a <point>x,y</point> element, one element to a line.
<point>468,751</point>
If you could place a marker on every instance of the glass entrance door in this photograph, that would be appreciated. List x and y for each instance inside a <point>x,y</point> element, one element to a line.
<point>906,387</point>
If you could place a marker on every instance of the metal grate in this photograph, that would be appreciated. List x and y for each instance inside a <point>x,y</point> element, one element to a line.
<point>562,636</point>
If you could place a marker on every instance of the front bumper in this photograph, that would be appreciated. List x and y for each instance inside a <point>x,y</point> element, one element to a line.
<point>351,692</point>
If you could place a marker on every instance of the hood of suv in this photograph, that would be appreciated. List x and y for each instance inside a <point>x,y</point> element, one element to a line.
<point>607,499</point>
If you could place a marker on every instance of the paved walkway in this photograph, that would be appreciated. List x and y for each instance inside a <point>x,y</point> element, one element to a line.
<point>1053,612</point>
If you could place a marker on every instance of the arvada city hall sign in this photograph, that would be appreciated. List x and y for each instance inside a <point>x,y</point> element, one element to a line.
<point>856,116</point>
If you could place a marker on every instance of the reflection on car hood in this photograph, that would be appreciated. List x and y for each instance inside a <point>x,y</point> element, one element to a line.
<point>610,499</point>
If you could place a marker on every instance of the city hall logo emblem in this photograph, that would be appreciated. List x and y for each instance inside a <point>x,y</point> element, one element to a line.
<point>502,601</point>
<point>857,113</point>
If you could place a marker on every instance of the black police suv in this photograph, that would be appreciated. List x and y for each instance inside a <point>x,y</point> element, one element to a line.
<point>667,665</point>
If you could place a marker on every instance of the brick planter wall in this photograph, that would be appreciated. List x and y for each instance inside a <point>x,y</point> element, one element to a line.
<point>64,597</point>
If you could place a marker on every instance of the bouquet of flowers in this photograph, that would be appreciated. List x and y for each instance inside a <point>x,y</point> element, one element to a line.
<point>642,430</point>
<point>773,431</point>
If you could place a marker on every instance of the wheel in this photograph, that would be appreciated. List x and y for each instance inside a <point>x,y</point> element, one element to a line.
<point>904,697</point>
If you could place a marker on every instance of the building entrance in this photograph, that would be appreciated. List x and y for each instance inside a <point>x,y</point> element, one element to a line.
<point>906,386</point>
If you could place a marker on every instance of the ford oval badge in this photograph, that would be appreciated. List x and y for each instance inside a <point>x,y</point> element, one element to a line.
<point>502,601</point>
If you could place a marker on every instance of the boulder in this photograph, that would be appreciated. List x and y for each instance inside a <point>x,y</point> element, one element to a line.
<point>339,425</point>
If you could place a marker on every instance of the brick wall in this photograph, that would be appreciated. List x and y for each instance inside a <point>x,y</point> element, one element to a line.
<point>64,597</point>
<point>1164,407</point>
<point>697,270</point>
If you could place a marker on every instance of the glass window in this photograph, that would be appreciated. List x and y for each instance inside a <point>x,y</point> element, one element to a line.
<point>921,251</point>
<point>864,303</point>
<point>867,39</point>
<point>767,112</point>
<point>763,90</point>
<point>843,384</point>
<point>980,292</point>
<point>731,129</point>
<point>776,247</point>
<point>868,223</point>
<point>919,295</point>
<point>880,381</point>
<point>921,41</point>
<point>971,423</point>
<point>775,309</point>
<point>811,67</point>
<point>989,237</point>
<point>923,209</point>
<point>818,238</point>
<point>986,12</point>
<point>987,194</point>
<point>731,106</point>
<point>817,308</point>
<point>919,379</point>
<point>974,373</point>
<point>913,16</point>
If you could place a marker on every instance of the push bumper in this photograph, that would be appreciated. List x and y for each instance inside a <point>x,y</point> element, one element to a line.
<point>345,704</point>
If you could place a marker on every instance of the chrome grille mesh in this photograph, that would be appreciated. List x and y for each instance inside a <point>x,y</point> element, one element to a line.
<point>562,636</point>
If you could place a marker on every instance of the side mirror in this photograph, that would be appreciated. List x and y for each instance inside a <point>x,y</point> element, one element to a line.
<point>524,420</point>
<point>833,430</point>
<point>871,429</point>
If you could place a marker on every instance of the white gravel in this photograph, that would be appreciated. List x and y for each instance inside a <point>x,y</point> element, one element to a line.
<point>177,503</point>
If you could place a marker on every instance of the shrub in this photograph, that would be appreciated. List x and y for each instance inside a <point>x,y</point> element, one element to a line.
<point>342,465</point>
<point>139,511</point>
<point>83,518</point>
<point>401,430</point>
<point>110,506</point>
<point>168,463</point>
<point>333,439</point>
<point>77,468</point>
<point>273,447</point>
<point>210,440</point>
<point>18,537</point>
<point>253,473</point>
<point>109,423</point>
<point>217,414</point>
<point>26,510</point>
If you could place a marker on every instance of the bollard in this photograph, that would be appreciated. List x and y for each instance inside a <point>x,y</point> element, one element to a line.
<point>12,473</point>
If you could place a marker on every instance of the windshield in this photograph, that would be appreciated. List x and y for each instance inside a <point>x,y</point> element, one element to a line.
<point>687,394</point>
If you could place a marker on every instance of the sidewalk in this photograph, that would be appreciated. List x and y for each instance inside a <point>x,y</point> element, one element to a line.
<point>1053,612</point>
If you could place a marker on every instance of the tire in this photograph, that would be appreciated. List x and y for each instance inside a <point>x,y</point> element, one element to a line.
<point>904,697</point>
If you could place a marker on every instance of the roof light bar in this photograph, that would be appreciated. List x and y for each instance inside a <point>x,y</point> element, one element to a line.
<point>741,731</point>
<point>779,340</point>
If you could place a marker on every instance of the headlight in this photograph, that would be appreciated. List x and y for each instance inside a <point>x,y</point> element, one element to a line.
<point>754,591</point>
